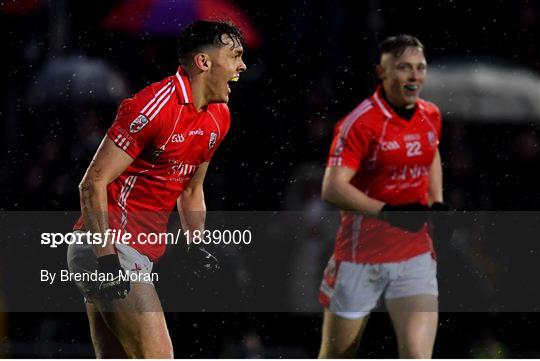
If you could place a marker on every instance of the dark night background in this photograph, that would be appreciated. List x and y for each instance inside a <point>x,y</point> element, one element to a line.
<point>314,64</point>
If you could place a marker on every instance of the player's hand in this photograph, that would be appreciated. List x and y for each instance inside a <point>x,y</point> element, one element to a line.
<point>442,222</point>
<point>409,217</point>
<point>201,262</point>
<point>116,287</point>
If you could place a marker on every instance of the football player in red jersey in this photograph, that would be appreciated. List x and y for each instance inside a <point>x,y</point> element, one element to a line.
<point>384,173</point>
<point>155,155</point>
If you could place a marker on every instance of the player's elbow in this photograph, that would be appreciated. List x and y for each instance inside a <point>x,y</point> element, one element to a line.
<point>192,191</point>
<point>335,190</point>
<point>328,191</point>
<point>89,185</point>
<point>193,198</point>
<point>85,185</point>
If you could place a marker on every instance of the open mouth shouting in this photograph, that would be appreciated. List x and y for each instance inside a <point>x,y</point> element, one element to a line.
<point>233,79</point>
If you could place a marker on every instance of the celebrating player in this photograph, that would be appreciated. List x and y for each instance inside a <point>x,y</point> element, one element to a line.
<point>155,155</point>
<point>383,171</point>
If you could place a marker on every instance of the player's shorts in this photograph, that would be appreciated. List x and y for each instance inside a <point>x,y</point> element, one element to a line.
<point>82,259</point>
<point>352,290</point>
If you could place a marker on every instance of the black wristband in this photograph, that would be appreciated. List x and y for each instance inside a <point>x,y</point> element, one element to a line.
<point>109,263</point>
<point>439,207</point>
<point>403,208</point>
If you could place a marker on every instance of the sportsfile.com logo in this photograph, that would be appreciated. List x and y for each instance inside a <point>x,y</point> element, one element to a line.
<point>115,236</point>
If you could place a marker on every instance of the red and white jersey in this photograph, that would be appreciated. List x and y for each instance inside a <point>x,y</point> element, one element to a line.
<point>391,157</point>
<point>168,139</point>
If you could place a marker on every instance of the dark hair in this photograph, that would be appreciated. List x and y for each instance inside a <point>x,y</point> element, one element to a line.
<point>396,45</point>
<point>203,33</point>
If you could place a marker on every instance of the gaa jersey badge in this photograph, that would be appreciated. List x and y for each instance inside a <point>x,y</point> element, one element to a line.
<point>138,123</point>
<point>213,138</point>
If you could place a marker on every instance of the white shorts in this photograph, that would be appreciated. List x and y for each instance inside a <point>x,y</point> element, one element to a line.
<point>352,290</point>
<point>82,259</point>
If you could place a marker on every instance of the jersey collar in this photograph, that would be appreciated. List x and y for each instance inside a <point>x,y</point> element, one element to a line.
<point>385,108</point>
<point>183,87</point>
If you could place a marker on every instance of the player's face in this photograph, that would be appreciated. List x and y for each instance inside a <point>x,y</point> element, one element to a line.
<point>403,77</point>
<point>227,64</point>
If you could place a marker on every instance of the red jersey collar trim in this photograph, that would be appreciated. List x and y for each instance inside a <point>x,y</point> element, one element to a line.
<point>383,104</point>
<point>184,87</point>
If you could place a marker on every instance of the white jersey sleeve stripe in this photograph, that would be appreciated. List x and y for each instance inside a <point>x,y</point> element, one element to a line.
<point>162,104</point>
<point>158,102</point>
<point>156,96</point>
<point>352,116</point>
<point>352,120</point>
<point>348,123</point>
<point>121,142</point>
<point>122,200</point>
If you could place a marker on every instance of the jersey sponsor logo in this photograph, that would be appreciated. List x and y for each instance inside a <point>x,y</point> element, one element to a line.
<point>137,124</point>
<point>213,139</point>
<point>196,132</point>
<point>410,172</point>
<point>177,138</point>
<point>391,145</point>
<point>183,169</point>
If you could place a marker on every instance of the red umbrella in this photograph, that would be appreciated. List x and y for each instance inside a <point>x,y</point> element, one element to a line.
<point>168,17</point>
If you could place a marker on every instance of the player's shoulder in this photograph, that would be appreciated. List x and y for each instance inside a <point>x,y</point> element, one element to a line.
<point>151,97</point>
<point>220,110</point>
<point>430,108</point>
<point>365,116</point>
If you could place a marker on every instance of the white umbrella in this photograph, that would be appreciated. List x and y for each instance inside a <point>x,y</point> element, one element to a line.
<point>484,93</point>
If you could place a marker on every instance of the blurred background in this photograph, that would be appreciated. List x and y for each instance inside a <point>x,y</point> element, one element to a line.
<point>69,63</point>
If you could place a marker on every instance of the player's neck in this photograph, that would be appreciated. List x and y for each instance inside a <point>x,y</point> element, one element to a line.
<point>402,112</point>
<point>198,91</point>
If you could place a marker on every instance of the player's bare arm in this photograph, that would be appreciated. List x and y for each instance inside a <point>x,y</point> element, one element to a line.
<point>338,190</point>
<point>435,190</point>
<point>192,210</point>
<point>108,163</point>
<point>191,206</point>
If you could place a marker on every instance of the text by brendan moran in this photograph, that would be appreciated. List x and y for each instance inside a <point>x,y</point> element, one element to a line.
<point>96,276</point>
